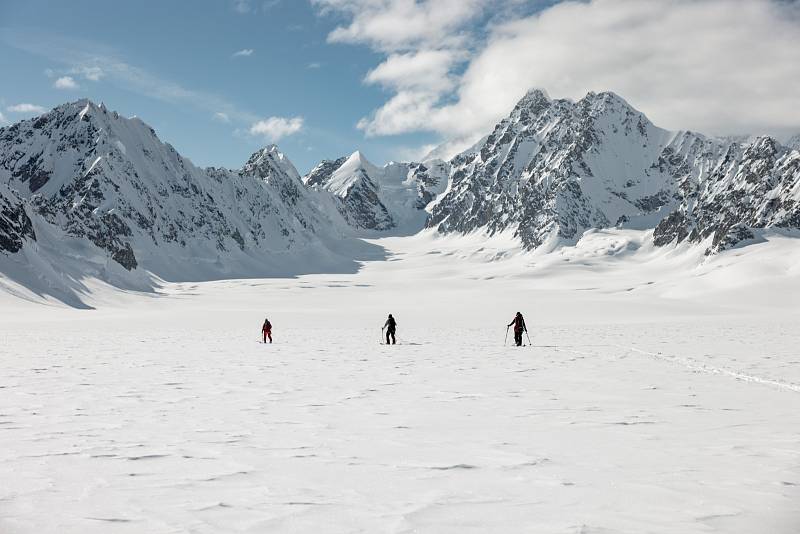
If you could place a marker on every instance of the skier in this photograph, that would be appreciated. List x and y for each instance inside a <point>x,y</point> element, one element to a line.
<point>391,328</point>
<point>267,330</point>
<point>519,328</point>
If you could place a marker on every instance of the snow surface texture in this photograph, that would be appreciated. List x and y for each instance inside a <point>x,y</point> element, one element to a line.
<point>662,395</point>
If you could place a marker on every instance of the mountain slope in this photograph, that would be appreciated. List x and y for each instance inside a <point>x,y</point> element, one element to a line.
<point>85,193</point>
<point>89,175</point>
<point>556,168</point>
<point>389,198</point>
<point>16,227</point>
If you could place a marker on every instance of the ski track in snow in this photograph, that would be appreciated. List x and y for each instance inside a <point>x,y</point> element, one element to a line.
<point>632,412</point>
<point>717,370</point>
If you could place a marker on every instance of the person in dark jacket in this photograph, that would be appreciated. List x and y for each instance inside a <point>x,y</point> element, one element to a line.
<point>519,328</point>
<point>267,330</point>
<point>391,328</point>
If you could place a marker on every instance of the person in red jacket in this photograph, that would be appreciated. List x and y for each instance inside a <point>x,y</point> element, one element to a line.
<point>267,330</point>
<point>519,328</point>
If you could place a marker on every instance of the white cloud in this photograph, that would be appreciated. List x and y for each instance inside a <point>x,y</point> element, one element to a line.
<point>393,25</point>
<point>221,117</point>
<point>407,111</point>
<point>314,65</point>
<point>26,108</point>
<point>65,82</point>
<point>720,66</point>
<point>275,128</point>
<point>245,52</point>
<point>424,42</point>
<point>424,69</point>
<point>3,119</point>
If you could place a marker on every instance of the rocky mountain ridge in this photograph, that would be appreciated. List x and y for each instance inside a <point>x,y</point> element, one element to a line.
<point>392,197</point>
<point>556,168</point>
<point>104,187</point>
<point>84,185</point>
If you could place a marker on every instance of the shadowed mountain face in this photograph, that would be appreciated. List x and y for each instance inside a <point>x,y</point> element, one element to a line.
<point>555,168</point>
<point>87,193</point>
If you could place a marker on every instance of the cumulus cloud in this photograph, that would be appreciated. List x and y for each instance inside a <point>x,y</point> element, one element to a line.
<point>719,66</point>
<point>424,42</point>
<point>423,69</point>
<point>393,25</point>
<point>65,82</point>
<point>275,128</point>
<point>245,52</point>
<point>26,108</point>
<point>3,119</point>
<point>420,79</point>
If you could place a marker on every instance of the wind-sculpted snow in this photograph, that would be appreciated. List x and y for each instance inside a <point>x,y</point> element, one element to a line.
<point>555,168</point>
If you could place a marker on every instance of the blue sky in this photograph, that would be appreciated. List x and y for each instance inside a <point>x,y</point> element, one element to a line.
<point>394,78</point>
<point>292,72</point>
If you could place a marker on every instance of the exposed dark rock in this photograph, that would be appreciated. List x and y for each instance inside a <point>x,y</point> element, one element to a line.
<point>15,225</point>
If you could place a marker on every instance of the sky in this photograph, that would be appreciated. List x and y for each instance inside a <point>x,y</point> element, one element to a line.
<point>218,79</point>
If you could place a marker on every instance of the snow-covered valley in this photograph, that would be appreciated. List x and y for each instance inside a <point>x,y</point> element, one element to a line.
<point>661,394</point>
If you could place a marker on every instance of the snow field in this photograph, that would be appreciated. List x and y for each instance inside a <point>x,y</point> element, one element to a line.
<point>658,397</point>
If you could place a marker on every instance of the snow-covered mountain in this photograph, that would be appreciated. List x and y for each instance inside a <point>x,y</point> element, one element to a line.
<point>392,197</point>
<point>87,193</point>
<point>556,168</point>
<point>81,182</point>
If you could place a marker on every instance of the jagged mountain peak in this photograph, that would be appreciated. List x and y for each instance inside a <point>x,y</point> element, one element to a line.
<point>102,181</point>
<point>85,110</point>
<point>534,98</point>
<point>555,168</point>
<point>270,163</point>
<point>357,162</point>
<point>605,97</point>
<point>322,171</point>
<point>267,151</point>
<point>549,171</point>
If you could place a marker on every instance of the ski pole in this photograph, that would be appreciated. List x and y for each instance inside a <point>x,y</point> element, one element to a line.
<point>382,334</point>
<point>529,337</point>
<point>505,341</point>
